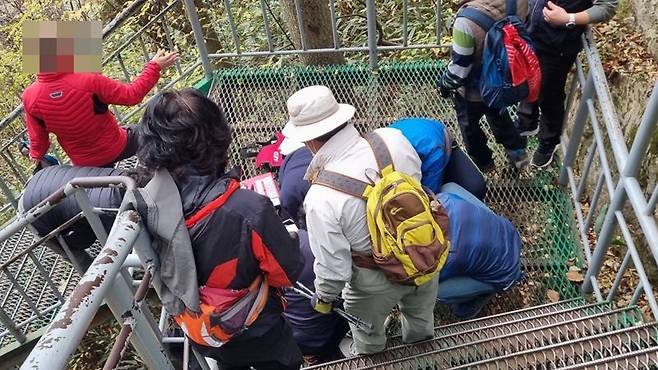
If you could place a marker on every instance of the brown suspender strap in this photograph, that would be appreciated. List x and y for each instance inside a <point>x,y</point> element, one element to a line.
<point>342,183</point>
<point>379,148</point>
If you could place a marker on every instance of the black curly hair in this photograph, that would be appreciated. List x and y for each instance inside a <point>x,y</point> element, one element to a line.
<point>184,132</point>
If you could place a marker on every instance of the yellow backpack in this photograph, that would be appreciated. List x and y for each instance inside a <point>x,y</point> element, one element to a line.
<point>409,228</point>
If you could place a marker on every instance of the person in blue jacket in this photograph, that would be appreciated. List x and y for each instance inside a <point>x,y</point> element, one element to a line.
<point>316,334</point>
<point>484,257</point>
<point>442,159</point>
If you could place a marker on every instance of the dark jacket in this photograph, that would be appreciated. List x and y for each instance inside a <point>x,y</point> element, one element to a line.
<point>47,181</point>
<point>310,328</point>
<point>292,183</point>
<point>239,241</point>
<point>556,40</point>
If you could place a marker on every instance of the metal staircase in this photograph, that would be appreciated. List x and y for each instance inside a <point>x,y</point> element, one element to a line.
<point>553,336</point>
<point>581,331</point>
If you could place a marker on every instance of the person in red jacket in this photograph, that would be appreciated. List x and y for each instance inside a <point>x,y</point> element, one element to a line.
<point>74,106</point>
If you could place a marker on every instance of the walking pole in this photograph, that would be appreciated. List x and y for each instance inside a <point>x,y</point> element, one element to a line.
<point>304,291</point>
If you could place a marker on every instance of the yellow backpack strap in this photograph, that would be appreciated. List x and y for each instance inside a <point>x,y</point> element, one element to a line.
<point>382,154</point>
<point>342,183</point>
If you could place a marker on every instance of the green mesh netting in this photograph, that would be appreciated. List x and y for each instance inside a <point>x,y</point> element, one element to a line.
<point>255,103</point>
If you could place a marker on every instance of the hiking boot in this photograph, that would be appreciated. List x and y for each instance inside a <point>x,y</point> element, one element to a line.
<point>471,309</point>
<point>526,129</point>
<point>518,158</point>
<point>543,155</point>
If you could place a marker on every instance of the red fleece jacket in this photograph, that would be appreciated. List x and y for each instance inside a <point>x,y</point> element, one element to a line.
<point>74,106</point>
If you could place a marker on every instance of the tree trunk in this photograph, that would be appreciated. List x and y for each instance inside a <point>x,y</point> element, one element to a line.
<point>317,29</point>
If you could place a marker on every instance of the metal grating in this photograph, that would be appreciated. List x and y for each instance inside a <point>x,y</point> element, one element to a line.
<point>483,330</point>
<point>576,352</point>
<point>645,359</point>
<point>34,283</point>
<point>450,351</point>
<point>523,313</point>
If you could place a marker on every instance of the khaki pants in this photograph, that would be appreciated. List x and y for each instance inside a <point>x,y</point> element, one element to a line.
<point>371,297</point>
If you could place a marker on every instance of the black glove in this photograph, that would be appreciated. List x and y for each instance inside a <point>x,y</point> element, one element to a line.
<point>444,91</point>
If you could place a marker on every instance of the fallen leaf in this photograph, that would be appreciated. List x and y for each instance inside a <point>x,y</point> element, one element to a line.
<point>574,268</point>
<point>552,295</point>
<point>575,276</point>
<point>571,262</point>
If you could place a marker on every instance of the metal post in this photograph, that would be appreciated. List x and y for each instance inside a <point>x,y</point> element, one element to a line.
<point>300,24</point>
<point>439,21</point>
<point>372,33</point>
<point>577,132</point>
<point>651,205</point>
<point>643,136</point>
<point>198,37</point>
<point>603,241</point>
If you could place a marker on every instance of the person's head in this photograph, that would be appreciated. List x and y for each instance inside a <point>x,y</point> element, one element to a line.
<point>184,132</point>
<point>315,116</point>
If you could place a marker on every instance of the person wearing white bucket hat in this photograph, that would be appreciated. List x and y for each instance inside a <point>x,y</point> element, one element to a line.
<point>337,223</point>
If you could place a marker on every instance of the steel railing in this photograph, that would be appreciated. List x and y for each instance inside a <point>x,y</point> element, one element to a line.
<point>616,178</point>
<point>107,279</point>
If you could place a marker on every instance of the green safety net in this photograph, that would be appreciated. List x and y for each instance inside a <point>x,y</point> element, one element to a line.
<point>254,100</point>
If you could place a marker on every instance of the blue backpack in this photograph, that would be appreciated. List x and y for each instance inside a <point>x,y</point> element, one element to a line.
<point>495,80</point>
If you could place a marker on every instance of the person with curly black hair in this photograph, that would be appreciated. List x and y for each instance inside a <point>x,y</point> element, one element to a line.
<point>237,239</point>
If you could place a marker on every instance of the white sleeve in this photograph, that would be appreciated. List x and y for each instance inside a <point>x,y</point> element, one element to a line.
<point>333,256</point>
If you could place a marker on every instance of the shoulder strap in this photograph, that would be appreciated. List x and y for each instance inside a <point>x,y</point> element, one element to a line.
<point>382,154</point>
<point>511,7</point>
<point>342,183</point>
<point>479,17</point>
<point>212,206</point>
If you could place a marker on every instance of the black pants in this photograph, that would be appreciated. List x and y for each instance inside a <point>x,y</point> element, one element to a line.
<point>554,69</point>
<point>132,144</point>
<point>461,170</point>
<point>468,116</point>
<point>330,350</point>
<point>274,350</point>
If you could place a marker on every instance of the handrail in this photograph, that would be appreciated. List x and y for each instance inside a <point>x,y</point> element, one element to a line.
<point>621,185</point>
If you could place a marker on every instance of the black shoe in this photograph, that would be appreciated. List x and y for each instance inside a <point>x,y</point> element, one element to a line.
<point>525,129</point>
<point>518,158</point>
<point>543,156</point>
<point>487,168</point>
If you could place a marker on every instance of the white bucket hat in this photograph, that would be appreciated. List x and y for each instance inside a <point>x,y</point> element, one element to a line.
<point>314,112</point>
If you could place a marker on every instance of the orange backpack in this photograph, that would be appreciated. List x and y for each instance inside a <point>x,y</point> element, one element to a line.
<point>225,313</point>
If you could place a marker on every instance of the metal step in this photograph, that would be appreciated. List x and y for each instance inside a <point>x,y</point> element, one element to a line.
<point>460,326</point>
<point>444,352</point>
<point>645,359</point>
<point>492,326</point>
<point>577,351</point>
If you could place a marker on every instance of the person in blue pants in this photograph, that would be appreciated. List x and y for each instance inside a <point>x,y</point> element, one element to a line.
<point>484,257</point>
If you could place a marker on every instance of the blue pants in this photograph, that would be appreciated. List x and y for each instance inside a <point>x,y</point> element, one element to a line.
<point>461,170</point>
